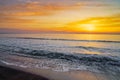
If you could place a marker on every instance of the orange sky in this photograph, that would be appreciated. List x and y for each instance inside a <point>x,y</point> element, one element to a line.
<point>76,16</point>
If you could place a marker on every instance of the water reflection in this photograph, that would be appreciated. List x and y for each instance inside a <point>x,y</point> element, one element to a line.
<point>68,36</point>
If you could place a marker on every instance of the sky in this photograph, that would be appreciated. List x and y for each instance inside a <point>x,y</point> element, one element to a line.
<point>65,16</point>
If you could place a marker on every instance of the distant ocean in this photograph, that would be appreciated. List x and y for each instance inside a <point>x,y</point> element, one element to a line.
<point>62,52</point>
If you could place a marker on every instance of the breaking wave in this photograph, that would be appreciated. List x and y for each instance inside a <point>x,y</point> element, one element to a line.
<point>98,49</point>
<point>67,61</point>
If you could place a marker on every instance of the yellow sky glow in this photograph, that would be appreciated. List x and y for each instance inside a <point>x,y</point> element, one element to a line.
<point>77,17</point>
<point>89,27</point>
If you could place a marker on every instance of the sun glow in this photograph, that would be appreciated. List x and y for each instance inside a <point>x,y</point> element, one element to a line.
<point>89,27</point>
<point>60,16</point>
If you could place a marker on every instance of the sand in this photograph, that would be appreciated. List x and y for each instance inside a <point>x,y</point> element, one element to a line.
<point>8,72</point>
<point>12,72</point>
<point>16,73</point>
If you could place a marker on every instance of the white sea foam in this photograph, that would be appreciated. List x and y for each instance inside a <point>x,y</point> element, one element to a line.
<point>61,54</point>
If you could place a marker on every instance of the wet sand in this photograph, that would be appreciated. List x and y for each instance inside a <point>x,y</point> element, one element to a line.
<point>7,73</point>
<point>17,73</point>
<point>13,74</point>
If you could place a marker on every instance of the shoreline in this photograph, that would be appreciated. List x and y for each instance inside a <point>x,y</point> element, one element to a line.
<point>16,73</point>
<point>10,72</point>
<point>47,74</point>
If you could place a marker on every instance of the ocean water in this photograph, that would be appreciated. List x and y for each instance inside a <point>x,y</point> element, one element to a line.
<point>62,52</point>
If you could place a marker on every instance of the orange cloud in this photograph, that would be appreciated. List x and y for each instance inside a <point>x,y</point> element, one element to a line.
<point>15,22</point>
<point>12,15</point>
<point>95,25</point>
<point>34,9</point>
<point>25,16</point>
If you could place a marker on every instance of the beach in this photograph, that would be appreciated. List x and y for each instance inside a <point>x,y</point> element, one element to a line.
<point>54,57</point>
<point>59,39</point>
<point>7,73</point>
<point>17,73</point>
<point>11,71</point>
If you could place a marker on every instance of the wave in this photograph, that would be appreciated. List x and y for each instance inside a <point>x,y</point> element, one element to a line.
<point>66,60</point>
<point>70,57</point>
<point>107,41</point>
<point>64,56</point>
<point>98,49</point>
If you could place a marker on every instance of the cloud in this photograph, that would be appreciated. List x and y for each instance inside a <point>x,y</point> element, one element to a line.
<point>37,8</point>
<point>34,9</point>
<point>20,15</point>
<point>101,24</point>
<point>8,19</point>
<point>107,20</point>
<point>15,22</point>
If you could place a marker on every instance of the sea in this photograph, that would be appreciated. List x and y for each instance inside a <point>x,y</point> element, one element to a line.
<point>62,52</point>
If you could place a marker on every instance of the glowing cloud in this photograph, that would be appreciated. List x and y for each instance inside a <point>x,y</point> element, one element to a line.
<point>110,24</point>
<point>76,16</point>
